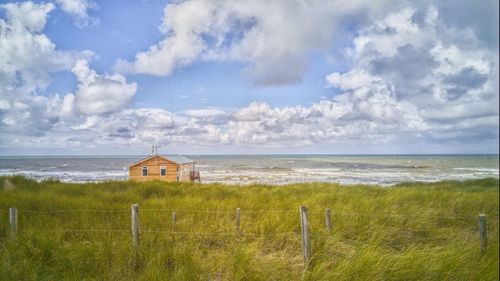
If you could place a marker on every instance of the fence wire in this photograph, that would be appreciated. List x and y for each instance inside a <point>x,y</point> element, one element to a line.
<point>146,231</point>
<point>247,222</point>
<point>71,211</point>
<point>243,211</point>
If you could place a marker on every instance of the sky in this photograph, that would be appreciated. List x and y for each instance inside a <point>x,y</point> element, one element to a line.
<point>243,77</point>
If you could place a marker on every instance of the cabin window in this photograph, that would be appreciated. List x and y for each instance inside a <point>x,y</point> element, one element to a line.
<point>163,171</point>
<point>144,171</point>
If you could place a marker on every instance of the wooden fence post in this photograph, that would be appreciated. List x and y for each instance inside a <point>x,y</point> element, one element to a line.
<point>135,225</point>
<point>483,232</point>
<point>13,222</point>
<point>328,218</point>
<point>306,246</point>
<point>237,220</point>
<point>174,220</point>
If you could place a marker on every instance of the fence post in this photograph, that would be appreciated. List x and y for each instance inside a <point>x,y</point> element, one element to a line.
<point>174,220</point>
<point>237,220</point>
<point>328,217</point>
<point>13,222</point>
<point>306,246</point>
<point>483,232</point>
<point>135,225</point>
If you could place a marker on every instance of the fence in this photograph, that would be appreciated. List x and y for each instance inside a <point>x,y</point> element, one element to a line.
<point>305,233</point>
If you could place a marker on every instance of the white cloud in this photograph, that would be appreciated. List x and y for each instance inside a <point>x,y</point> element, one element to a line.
<point>79,10</point>
<point>411,69</point>
<point>351,80</point>
<point>99,94</point>
<point>183,22</point>
<point>275,45</point>
<point>68,105</point>
<point>153,118</point>
<point>26,15</point>
<point>204,112</point>
<point>89,123</point>
<point>254,112</point>
<point>27,57</point>
<point>377,119</point>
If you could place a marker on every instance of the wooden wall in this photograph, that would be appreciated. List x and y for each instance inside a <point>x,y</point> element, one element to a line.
<point>184,172</point>
<point>154,164</point>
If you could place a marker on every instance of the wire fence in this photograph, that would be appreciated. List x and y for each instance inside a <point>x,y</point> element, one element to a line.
<point>254,212</point>
<point>338,212</point>
<point>241,223</point>
<point>243,212</point>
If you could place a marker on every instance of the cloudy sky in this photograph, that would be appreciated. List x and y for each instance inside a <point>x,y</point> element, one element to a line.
<point>224,76</point>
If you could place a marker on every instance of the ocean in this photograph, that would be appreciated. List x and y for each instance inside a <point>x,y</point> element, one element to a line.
<point>270,169</point>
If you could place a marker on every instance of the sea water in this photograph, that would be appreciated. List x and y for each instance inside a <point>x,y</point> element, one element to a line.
<point>270,169</point>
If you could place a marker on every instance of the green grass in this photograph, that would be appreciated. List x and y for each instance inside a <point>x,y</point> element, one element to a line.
<point>412,231</point>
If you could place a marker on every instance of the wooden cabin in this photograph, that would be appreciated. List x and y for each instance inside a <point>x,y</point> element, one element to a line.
<point>164,168</point>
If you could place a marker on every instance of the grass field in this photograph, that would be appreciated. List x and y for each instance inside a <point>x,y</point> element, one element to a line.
<point>411,231</point>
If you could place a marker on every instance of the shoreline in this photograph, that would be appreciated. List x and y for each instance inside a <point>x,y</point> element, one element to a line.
<point>243,184</point>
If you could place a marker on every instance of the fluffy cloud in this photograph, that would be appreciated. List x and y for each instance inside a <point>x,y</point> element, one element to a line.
<point>414,76</point>
<point>100,94</point>
<point>131,126</point>
<point>377,120</point>
<point>413,79</point>
<point>413,69</point>
<point>275,45</point>
<point>204,112</point>
<point>27,57</point>
<point>79,10</point>
<point>250,126</point>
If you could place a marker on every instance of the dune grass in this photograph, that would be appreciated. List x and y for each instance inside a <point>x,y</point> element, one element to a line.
<point>412,231</point>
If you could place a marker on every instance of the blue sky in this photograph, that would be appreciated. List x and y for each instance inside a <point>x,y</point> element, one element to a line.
<point>202,76</point>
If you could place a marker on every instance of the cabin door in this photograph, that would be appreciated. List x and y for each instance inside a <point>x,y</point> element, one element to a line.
<point>177,173</point>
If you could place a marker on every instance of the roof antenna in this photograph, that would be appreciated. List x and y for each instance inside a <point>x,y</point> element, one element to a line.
<point>154,149</point>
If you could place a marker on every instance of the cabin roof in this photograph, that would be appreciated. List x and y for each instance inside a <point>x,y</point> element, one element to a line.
<point>177,159</point>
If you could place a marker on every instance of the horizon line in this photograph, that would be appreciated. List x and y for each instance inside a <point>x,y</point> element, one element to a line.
<point>266,154</point>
